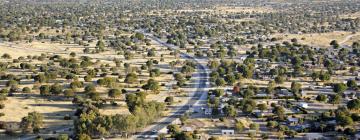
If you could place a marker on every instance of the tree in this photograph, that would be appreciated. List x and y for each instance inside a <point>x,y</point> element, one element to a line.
<point>279,79</point>
<point>321,98</point>
<point>272,124</point>
<point>334,44</point>
<point>262,107</point>
<point>280,112</point>
<point>351,84</point>
<point>134,100</point>
<point>56,89</point>
<point>40,78</point>
<point>187,70</point>
<point>32,123</point>
<point>354,104</point>
<point>139,36</point>
<point>89,88</point>
<point>173,129</point>
<point>339,87</point>
<point>63,137</point>
<point>44,90</point>
<point>220,82</point>
<point>291,133</point>
<point>114,93</point>
<point>152,85</point>
<point>229,111</point>
<point>239,126</point>
<point>255,126</point>
<point>69,93</point>
<point>26,90</point>
<point>131,78</point>
<point>169,99</point>
<point>344,120</point>
<point>230,79</point>
<point>324,76</point>
<point>295,87</point>
<point>248,93</point>
<point>315,75</point>
<point>336,99</point>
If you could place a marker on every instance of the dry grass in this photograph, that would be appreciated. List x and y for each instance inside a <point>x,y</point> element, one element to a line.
<point>352,15</point>
<point>53,111</point>
<point>228,9</point>
<point>318,39</point>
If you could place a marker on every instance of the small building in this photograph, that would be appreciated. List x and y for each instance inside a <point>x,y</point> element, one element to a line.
<point>187,129</point>
<point>228,132</point>
<point>303,105</point>
<point>313,136</point>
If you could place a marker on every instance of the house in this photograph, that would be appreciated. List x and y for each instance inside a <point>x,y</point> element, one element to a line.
<point>10,126</point>
<point>187,129</point>
<point>357,136</point>
<point>284,92</point>
<point>208,111</point>
<point>228,132</point>
<point>313,136</point>
<point>303,105</point>
<point>293,121</point>
<point>176,121</point>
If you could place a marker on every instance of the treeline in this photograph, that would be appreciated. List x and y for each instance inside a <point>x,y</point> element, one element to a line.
<point>91,124</point>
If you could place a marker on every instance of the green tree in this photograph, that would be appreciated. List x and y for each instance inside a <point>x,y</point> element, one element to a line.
<point>279,79</point>
<point>32,123</point>
<point>220,82</point>
<point>229,111</point>
<point>280,112</point>
<point>114,93</point>
<point>262,107</point>
<point>152,85</point>
<point>255,126</point>
<point>336,99</point>
<point>321,98</point>
<point>239,127</point>
<point>131,78</point>
<point>295,87</point>
<point>339,87</point>
<point>344,120</point>
<point>44,90</point>
<point>351,84</point>
<point>354,104</point>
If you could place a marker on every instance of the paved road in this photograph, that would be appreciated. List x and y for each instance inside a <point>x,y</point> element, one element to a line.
<point>197,98</point>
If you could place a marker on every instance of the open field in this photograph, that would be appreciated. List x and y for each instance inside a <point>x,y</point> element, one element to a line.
<point>321,39</point>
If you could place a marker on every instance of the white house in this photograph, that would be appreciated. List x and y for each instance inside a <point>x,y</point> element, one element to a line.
<point>228,132</point>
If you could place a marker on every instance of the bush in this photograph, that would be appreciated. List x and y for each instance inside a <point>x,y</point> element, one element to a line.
<point>2,106</point>
<point>69,93</point>
<point>169,99</point>
<point>26,90</point>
